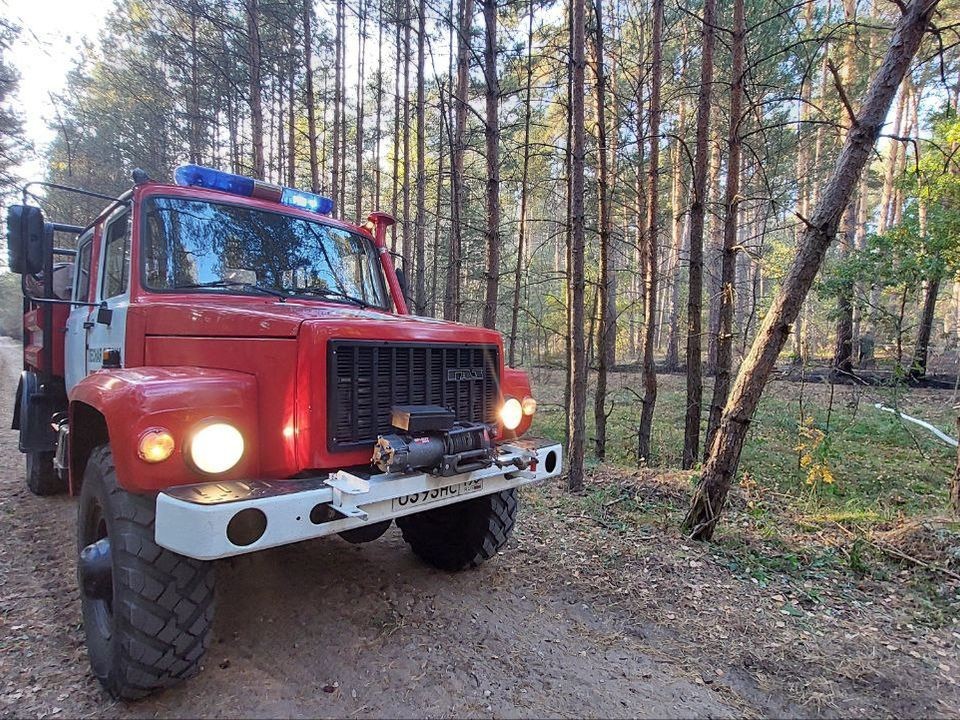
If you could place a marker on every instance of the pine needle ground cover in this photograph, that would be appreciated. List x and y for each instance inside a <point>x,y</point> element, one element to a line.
<point>835,586</point>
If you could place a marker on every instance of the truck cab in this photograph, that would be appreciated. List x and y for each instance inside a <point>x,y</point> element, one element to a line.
<point>221,367</point>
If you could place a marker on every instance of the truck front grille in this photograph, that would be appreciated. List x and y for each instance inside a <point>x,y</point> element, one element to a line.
<point>367,378</point>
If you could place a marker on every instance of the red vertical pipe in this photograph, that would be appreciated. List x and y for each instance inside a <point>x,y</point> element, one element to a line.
<point>381,221</point>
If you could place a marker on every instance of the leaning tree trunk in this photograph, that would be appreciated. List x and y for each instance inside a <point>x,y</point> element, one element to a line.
<point>691,431</point>
<point>650,256</point>
<point>711,494</point>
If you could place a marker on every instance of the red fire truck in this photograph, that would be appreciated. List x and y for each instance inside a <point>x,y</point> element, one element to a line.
<point>220,367</point>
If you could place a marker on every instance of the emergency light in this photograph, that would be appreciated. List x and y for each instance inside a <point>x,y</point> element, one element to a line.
<point>204,177</point>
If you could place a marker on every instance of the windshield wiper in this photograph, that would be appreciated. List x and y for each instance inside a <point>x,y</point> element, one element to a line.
<point>331,293</point>
<point>229,284</point>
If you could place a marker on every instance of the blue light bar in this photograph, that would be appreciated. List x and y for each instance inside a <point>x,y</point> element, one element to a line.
<point>306,201</point>
<point>198,176</point>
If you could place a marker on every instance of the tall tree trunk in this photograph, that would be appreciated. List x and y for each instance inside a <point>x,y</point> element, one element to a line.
<point>310,98</point>
<point>803,176</point>
<point>420,242</point>
<point>361,92</point>
<point>578,357</point>
<point>335,178</point>
<point>291,125</point>
<point>887,192</point>
<point>406,245</point>
<point>195,140</point>
<point>711,495</point>
<point>492,137</point>
<point>395,196</point>
<point>691,430</point>
<point>377,130</point>
<point>524,178</point>
<point>256,98</point>
<point>843,352</point>
<point>677,238</point>
<point>451,296</point>
<point>607,304</point>
<point>731,203</point>
<point>650,240</point>
<point>918,368</point>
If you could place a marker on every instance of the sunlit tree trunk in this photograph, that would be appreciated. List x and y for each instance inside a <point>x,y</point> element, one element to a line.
<point>650,241</point>
<point>451,296</point>
<point>607,304</point>
<point>492,138</point>
<point>731,204</point>
<point>578,357</point>
<point>256,99</point>
<point>691,430</point>
<point>310,99</point>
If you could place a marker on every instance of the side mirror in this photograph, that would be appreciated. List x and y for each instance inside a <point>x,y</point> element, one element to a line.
<point>402,279</point>
<point>25,239</point>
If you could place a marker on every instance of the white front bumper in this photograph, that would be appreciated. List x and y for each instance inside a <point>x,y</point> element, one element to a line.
<point>192,520</point>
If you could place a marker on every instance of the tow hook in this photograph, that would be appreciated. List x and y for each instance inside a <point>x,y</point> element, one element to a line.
<point>522,462</point>
<point>96,570</point>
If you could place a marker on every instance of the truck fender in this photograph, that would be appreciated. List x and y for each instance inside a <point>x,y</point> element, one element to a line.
<point>35,405</point>
<point>119,406</point>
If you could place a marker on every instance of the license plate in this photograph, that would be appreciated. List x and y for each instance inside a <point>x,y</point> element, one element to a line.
<point>430,496</point>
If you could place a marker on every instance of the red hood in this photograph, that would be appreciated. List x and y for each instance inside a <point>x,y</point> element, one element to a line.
<point>194,315</point>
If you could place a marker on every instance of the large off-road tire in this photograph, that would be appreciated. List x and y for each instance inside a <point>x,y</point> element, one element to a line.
<point>147,612</point>
<point>42,477</point>
<point>462,535</point>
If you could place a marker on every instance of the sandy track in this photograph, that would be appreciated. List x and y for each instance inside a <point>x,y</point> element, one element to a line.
<point>326,628</point>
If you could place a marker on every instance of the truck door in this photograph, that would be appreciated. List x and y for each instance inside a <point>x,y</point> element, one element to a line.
<point>75,362</point>
<point>113,289</point>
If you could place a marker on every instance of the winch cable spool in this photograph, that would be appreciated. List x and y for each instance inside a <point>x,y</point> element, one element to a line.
<point>460,449</point>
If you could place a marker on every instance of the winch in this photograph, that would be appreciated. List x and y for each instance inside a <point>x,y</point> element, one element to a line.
<point>430,439</point>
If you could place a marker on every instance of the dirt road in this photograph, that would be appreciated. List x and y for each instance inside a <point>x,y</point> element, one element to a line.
<point>326,628</point>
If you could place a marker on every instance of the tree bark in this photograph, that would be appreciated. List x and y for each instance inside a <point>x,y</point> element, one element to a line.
<point>310,99</point>
<point>524,179</point>
<point>420,241</point>
<point>578,356</point>
<point>918,369</point>
<point>710,497</point>
<point>335,178</point>
<point>256,99</point>
<point>691,429</point>
<point>728,263</point>
<point>607,304</point>
<point>451,295</point>
<point>358,157</point>
<point>492,137</point>
<point>650,239</point>
<point>406,237</point>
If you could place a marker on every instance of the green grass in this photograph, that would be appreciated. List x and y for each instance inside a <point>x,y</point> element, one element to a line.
<point>883,468</point>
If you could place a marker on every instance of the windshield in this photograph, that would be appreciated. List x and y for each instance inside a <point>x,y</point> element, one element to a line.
<point>211,247</point>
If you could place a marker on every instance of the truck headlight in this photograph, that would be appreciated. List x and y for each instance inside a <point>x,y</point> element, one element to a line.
<point>217,447</point>
<point>529,405</point>
<point>511,413</point>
